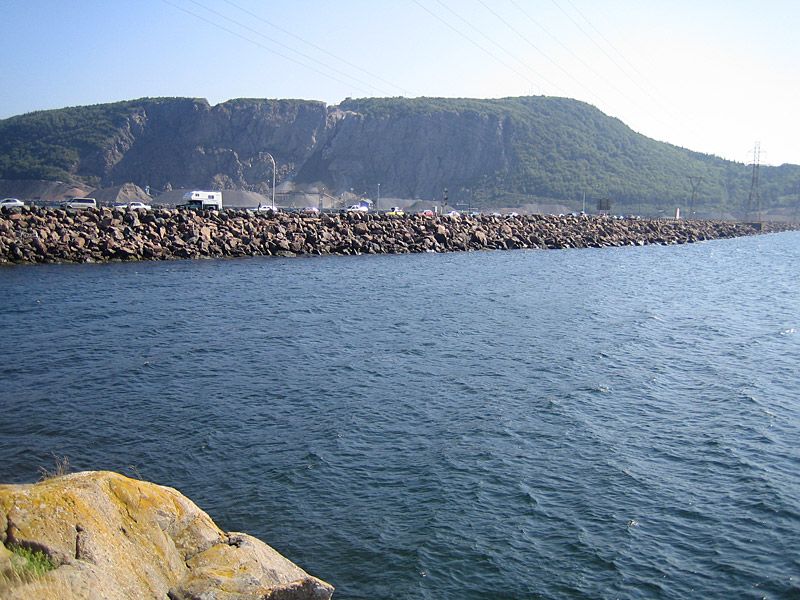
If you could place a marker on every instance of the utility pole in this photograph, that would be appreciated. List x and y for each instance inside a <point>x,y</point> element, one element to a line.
<point>378,201</point>
<point>754,200</point>
<point>695,182</point>
<point>274,168</point>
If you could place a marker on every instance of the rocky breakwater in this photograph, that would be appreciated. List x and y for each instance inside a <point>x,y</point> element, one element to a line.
<point>47,235</point>
<point>103,535</point>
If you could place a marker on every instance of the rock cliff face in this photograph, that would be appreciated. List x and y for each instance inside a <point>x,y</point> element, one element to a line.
<point>412,154</point>
<point>117,538</point>
<point>189,143</point>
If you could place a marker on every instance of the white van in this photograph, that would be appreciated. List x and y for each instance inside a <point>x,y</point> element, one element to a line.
<point>77,203</point>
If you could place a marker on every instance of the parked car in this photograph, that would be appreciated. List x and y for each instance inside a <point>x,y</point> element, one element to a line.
<point>395,211</point>
<point>453,213</point>
<point>356,208</point>
<point>79,203</point>
<point>310,210</point>
<point>134,206</point>
<point>426,213</point>
<point>11,203</point>
<point>265,208</point>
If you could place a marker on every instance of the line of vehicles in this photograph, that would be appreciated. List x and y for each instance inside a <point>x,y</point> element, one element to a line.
<point>197,200</point>
<point>74,204</point>
<point>79,203</point>
<point>209,200</point>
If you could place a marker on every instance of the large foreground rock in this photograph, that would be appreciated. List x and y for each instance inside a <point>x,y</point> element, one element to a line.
<point>112,537</point>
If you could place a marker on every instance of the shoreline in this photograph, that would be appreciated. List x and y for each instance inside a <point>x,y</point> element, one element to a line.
<point>43,235</point>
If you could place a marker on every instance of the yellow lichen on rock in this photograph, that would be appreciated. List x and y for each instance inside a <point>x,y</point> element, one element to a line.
<point>115,537</point>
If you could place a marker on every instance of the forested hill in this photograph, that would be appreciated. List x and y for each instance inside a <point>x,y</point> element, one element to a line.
<point>506,152</point>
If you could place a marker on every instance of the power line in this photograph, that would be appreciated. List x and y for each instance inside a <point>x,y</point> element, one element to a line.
<point>591,39</point>
<point>510,26</point>
<point>534,46</point>
<point>315,46</point>
<point>586,90</point>
<point>607,41</point>
<point>568,49</point>
<point>263,47</point>
<point>491,41</point>
<point>611,58</point>
<point>474,43</point>
<point>266,37</point>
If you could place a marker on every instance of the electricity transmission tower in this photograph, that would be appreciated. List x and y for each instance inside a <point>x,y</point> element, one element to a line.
<point>695,182</point>
<point>754,200</point>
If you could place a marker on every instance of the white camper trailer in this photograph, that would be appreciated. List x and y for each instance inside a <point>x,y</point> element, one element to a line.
<point>200,200</point>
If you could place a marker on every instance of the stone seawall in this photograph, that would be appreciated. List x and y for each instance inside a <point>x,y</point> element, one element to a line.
<point>54,235</point>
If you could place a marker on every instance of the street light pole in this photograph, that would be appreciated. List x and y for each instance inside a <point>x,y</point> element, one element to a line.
<point>378,201</point>
<point>274,168</point>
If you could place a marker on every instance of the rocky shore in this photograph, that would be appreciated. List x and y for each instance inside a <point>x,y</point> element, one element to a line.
<point>102,535</point>
<point>35,235</point>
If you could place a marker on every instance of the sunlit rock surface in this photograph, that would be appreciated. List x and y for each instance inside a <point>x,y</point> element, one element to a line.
<point>113,537</point>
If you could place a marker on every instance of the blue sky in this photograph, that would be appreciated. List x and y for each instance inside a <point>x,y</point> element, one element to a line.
<point>713,76</point>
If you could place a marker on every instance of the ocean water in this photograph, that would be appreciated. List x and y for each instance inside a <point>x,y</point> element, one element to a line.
<point>610,423</point>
